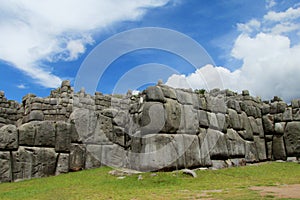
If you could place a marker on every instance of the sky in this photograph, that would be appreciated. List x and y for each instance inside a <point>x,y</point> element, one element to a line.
<point>254,44</point>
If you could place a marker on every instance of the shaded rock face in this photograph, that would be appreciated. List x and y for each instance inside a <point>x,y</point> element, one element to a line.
<point>162,128</point>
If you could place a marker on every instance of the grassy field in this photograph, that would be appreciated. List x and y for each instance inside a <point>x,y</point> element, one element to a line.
<point>232,183</point>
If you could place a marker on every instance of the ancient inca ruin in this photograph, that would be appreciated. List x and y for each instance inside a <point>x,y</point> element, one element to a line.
<point>162,128</point>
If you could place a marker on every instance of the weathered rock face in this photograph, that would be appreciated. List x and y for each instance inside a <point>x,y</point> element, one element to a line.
<point>160,129</point>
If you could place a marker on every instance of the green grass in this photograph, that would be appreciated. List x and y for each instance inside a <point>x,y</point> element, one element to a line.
<point>232,183</point>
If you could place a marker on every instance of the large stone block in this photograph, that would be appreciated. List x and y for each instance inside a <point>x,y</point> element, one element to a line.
<point>203,118</point>
<point>168,92</point>
<point>36,115</point>
<point>77,157</point>
<point>287,115</point>
<point>157,152</point>
<point>217,146</point>
<point>83,122</point>
<point>117,136</point>
<point>63,164</point>
<point>223,120</point>
<point>6,168</point>
<point>292,139</point>
<point>184,98</point>
<point>265,109</point>
<point>154,93</point>
<point>152,119</point>
<point>213,121</point>
<point>279,128</point>
<point>63,137</point>
<point>296,114</point>
<point>192,154</point>
<point>121,118</point>
<point>234,120</point>
<point>27,134</point>
<point>45,134</point>
<point>247,134</point>
<point>189,122</point>
<point>30,162</point>
<point>268,122</point>
<point>43,162</point>
<point>235,144</point>
<point>261,148</point>
<point>254,126</point>
<point>269,146</point>
<point>93,156</point>
<point>173,116</point>
<point>233,104</point>
<point>216,104</point>
<point>112,156</point>
<point>278,148</point>
<point>260,127</point>
<point>22,164</point>
<point>251,152</point>
<point>8,137</point>
<point>196,101</point>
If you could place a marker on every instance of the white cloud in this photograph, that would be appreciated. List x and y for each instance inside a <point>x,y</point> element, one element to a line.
<point>290,14</point>
<point>207,77</point>
<point>35,31</point>
<point>21,86</point>
<point>75,48</point>
<point>271,66</point>
<point>270,4</point>
<point>249,27</point>
<point>285,28</point>
<point>270,60</point>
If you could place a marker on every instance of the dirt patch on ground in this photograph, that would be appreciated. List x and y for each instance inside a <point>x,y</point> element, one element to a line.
<point>282,191</point>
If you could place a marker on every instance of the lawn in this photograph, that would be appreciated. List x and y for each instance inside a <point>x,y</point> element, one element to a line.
<point>231,183</point>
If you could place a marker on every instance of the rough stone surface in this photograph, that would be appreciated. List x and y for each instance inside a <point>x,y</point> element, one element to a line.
<point>261,148</point>
<point>278,148</point>
<point>63,137</point>
<point>5,169</point>
<point>292,138</point>
<point>235,122</point>
<point>217,146</point>
<point>27,134</point>
<point>36,115</point>
<point>168,92</point>
<point>251,152</point>
<point>189,122</point>
<point>153,118</point>
<point>45,134</point>
<point>235,144</point>
<point>8,137</point>
<point>77,157</point>
<point>63,164</point>
<point>154,93</point>
<point>268,122</point>
<point>30,162</point>
<point>184,98</point>
<point>161,128</point>
<point>173,116</point>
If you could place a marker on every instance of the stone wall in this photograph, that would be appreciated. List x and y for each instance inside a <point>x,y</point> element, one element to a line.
<point>160,129</point>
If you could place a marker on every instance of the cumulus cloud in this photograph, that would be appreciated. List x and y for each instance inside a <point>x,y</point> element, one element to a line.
<point>21,86</point>
<point>249,27</point>
<point>36,31</point>
<point>270,60</point>
<point>270,3</point>
<point>289,14</point>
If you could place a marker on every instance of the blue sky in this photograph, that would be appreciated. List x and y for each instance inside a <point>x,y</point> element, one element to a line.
<point>254,44</point>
